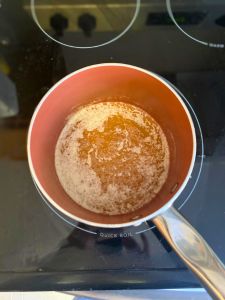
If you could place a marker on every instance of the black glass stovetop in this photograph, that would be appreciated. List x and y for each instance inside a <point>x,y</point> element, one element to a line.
<point>40,42</point>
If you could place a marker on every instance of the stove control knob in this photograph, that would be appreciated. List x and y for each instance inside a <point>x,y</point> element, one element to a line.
<point>59,23</point>
<point>87,23</point>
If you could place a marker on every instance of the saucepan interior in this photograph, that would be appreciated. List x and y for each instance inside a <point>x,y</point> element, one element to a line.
<point>108,82</point>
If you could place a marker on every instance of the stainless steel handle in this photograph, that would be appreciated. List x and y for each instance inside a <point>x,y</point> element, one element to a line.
<point>194,251</point>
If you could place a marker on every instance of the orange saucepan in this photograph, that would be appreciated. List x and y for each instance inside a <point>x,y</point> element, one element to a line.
<point>151,93</point>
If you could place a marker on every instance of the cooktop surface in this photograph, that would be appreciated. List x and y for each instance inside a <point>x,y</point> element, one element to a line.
<point>41,41</point>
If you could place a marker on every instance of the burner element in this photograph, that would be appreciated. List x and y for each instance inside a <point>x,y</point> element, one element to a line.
<point>179,203</point>
<point>214,45</point>
<point>114,15</point>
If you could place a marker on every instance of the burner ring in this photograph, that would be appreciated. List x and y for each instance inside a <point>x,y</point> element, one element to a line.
<point>136,12</point>
<point>170,13</point>
<point>132,230</point>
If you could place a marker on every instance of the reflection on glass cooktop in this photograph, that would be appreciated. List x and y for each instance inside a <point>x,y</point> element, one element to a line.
<point>40,42</point>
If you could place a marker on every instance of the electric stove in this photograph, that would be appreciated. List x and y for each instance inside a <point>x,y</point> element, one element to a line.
<point>41,41</point>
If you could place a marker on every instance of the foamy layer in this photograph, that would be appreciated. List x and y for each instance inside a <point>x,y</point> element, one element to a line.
<point>112,157</point>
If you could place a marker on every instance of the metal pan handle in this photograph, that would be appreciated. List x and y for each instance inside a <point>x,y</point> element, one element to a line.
<point>194,251</point>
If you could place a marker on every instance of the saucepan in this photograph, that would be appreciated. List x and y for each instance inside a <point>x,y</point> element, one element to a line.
<point>153,94</point>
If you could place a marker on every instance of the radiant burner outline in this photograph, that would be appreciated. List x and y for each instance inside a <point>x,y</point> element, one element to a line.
<point>149,227</point>
<point>136,12</point>
<point>209,44</point>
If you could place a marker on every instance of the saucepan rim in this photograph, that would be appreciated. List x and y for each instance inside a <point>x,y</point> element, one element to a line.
<point>117,225</point>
